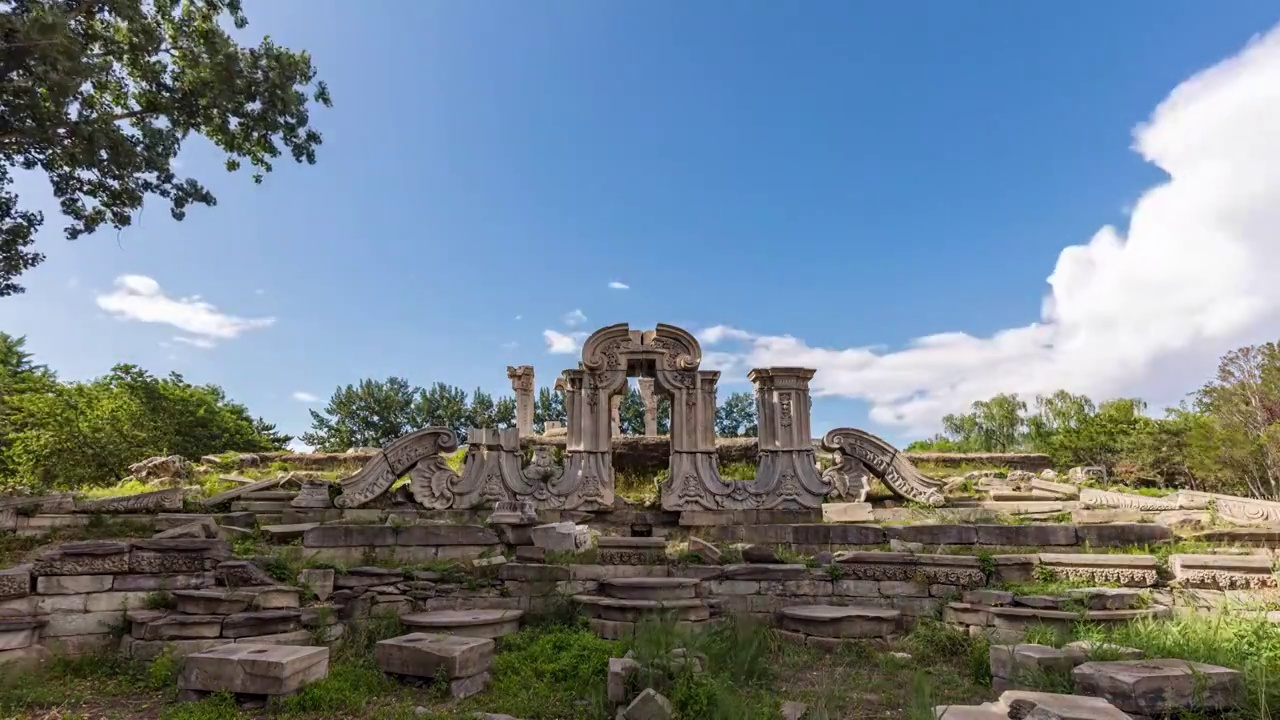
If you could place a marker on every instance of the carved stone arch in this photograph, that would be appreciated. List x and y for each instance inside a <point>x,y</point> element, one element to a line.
<point>857,449</point>
<point>404,453</point>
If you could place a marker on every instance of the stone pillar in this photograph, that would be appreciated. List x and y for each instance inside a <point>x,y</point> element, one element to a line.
<point>587,483</point>
<point>615,415</point>
<point>522,382</point>
<point>694,481</point>
<point>650,401</point>
<point>786,464</point>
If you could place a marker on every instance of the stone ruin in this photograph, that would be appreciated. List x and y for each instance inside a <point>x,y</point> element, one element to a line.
<point>667,360</point>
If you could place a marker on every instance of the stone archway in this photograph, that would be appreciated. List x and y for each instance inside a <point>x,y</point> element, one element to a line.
<point>671,357</point>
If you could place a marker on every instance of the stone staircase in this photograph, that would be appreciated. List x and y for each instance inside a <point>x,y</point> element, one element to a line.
<point>268,505</point>
<point>829,626</point>
<point>627,602</point>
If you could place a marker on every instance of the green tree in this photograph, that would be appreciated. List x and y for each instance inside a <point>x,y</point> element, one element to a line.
<point>371,413</point>
<point>99,95</point>
<point>549,407</point>
<point>631,413</point>
<point>70,435</point>
<point>484,412</point>
<point>444,406</point>
<point>736,416</point>
<point>1243,404</point>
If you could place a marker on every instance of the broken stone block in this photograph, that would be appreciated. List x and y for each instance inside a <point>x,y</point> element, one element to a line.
<point>560,537</point>
<point>93,557</point>
<point>254,669</point>
<point>792,710</point>
<point>15,582</point>
<point>168,500</point>
<point>265,622</point>
<point>1108,598</point>
<point>709,553</point>
<point>649,705</point>
<point>73,584</point>
<point>1159,686</point>
<point>1052,706</point>
<point>241,573</point>
<point>19,631</point>
<point>178,627</point>
<point>199,529</point>
<point>426,655</point>
<point>468,686</point>
<point>272,597</point>
<point>319,581</point>
<point>209,602</point>
<point>1091,650</point>
<point>1021,664</point>
<point>531,554</point>
<point>620,669</point>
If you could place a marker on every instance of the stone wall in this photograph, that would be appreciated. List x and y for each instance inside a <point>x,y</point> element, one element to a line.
<point>73,599</point>
<point>406,545</point>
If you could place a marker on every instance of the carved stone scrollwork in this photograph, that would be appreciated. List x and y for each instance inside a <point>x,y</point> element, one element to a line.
<point>380,473</point>
<point>882,460</point>
<point>849,478</point>
<point>786,473</point>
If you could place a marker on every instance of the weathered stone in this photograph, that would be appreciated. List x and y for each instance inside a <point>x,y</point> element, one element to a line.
<point>531,554</point>
<point>1123,534</point>
<point>320,581</point>
<point>1122,570</point>
<point>1052,706</point>
<point>297,637</point>
<point>1108,598</point>
<point>368,577</point>
<point>847,512</point>
<point>178,555</point>
<point>471,623</point>
<point>314,494</point>
<point>185,581</point>
<point>114,601</point>
<point>94,557</point>
<point>235,492</point>
<point>284,533</point>
<point>649,705</point>
<point>839,621</point>
<point>1023,664</point>
<point>264,622</point>
<point>205,528</point>
<point>350,536</point>
<point>620,671</point>
<point>254,669</point>
<point>1093,650</point>
<point>1155,687</point>
<point>168,500</point>
<point>987,597</point>
<point>243,520</point>
<point>15,582</point>
<point>631,550</point>
<point>445,534</point>
<point>760,554</point>
<point>792,710</point>
<point>148,650</point>
<point>210,602</point>
<point>1223,572</point>
<point>513,512</point>
<point>97,623</point>
<point>179,627</point>
<point>73,584</point>
<point>560,537</point>
<point>766,572</point>
<point>934,534</point>
<point>1026,535</point>
<point>428,655</point>
<point>241,573</point>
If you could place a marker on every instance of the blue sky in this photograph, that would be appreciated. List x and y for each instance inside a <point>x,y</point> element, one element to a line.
<point>876,190</point>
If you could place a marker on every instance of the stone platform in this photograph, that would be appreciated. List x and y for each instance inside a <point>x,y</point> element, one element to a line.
<point>626,602</point>
<point>463,661</point>
<point>247,669</point>
<point>828,626</point>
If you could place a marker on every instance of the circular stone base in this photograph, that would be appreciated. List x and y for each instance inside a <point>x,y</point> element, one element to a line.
<point>834,621</point>
<point>644,588</point>
<point>469,623</point>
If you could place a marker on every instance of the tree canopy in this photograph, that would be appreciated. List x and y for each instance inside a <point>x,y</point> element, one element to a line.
<point>99,96</point>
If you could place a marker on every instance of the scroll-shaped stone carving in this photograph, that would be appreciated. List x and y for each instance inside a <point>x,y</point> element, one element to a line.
<point>169,500</point>
<point>882,460</point>
<point>419,450</point>
<point>1234,507</point>
<point>850,480</point>
<point>481,483</point>
<point>1094,498</point>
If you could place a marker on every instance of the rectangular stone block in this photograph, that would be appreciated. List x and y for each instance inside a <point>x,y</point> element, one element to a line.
<point>1122,534</point>
<point>631,551</point>
<point>265,622</point>
<point>72,584</point>
<point>934,534</point>
<point>148,650</point>
<point>430,654</point>
<point>94,557</point>
<point>847,513</point>
<point>98,623</point>
<point>1026,535</point>
<point>79,644</point>
<point>115,601</point>
<point>178,627</point>
<point>254,669</point>
<point>446,534</point>
<point>148,583</point>
<point>349,536</point>
<point>50,604</point>
<point>297,637</point>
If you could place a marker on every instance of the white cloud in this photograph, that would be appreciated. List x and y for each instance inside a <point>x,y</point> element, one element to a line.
<point>559,343</point>
<point>203,343</point>
<point>1144,314</point>
<point>519,317</point>
<point>141,299</point>
<point>303,396</point>
<point>260,291</point>
<point>574,318</point>
<point>616,285</point>
<point>510,345</point>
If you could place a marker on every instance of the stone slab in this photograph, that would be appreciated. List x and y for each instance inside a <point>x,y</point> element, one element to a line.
<point>471,623</point>
<point>445,534</point>
<point>832,621</point>
<point>1154,687</point>
<point>1053,706</point>
<point>847,513</point>
<point>431,654</point>
<point>254,669</point>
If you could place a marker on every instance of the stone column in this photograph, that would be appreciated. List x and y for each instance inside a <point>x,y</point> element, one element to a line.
<point>615,416</point>
<point>522,382</point>
<point>650,401</point>
<point>786,463</point>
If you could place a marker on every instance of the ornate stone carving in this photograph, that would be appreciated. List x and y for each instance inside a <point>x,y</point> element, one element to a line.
<point>380,473</point>
<point>786,473</point>
<point>522,383</point>
<point>849,478</point>
<point>150,502</point>
<point>1094,498</point>
<point>1235,508</point>
<point>882,460</point>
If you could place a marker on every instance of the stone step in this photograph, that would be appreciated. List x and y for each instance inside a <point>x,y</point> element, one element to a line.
<point>608,608</point>
<point>651,588</point>
<point>260,507</point>
<point>985,711</point>
<point>839,621</point>
<point>622,630</point>
<point>469,623</point>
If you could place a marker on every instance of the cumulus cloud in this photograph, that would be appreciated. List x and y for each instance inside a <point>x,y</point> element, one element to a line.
<point>303,396</point>
<point>616,285</point>
<point>559,343</point>
<point>1142,313</point>
<point>141,299</point>
<point>574,318</point>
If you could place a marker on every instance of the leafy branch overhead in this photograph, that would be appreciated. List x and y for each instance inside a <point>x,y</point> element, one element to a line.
<point>99,95</point>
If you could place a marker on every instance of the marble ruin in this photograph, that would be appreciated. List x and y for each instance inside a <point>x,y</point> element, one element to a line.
<point>667,362</point>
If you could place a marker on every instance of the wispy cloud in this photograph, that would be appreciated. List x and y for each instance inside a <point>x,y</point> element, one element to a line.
<point>519,317</point>
<point>616,285</point>
<point>303,396</point>
<point>1141,313</point>
<point>140,299</point>
<point>510,345</point>
<point>203,343</point>
<point>559,343</point>
<point>574,318</point>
